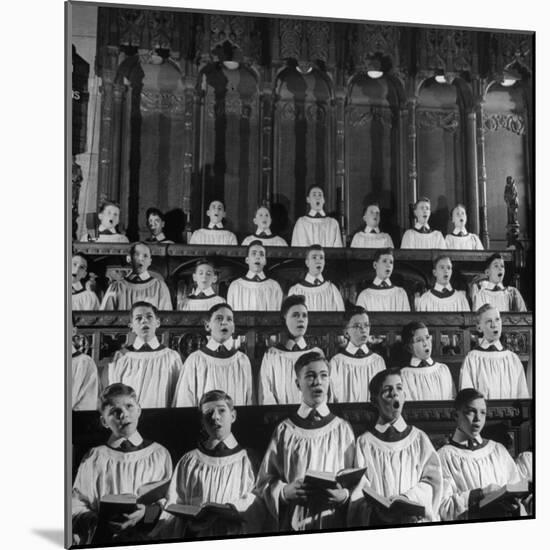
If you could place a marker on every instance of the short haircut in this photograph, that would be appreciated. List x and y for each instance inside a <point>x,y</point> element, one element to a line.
<point>262,206</point>
<point>216,395</point>
<point>83,256</point>
<point>352,311</point>
<point>143,303</point>
<point>314,247</point>
<point>458,205</point>
<point>373,203</point>
<point>115,390</point>
<point>441,257</point>
<point>492,258</point>
<point>255,242</point>
<point>308,358</point>
<point>481,310</point>
<point>314,186</point>
<point>216,200</point>
<point>135,245</point>
<point>422,199</point>
<point>382,252</point>
<point>215,308</point>
<point>407,333</point>
<point>204,261</point>
<point>291,301</point>
<point>107,203</point>
<point>465,396</point>
<point>156,212</point>
<point>377,381</point>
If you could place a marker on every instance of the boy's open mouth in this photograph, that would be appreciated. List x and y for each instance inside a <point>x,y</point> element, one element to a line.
<point>395,404</point>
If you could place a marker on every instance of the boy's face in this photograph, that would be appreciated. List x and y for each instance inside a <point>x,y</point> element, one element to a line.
<point>443,271</point>
<point>391,398</point>
<point>296,320</point>
<point>109,217</point>
<point>313,382</point>
<point>490,325</point>
<point>262,219</point>
<point>144,323</point>
<point>79,268</point>
<point>155,223</point>
<point>316,199</point>
<point>204,276</point>
<point>421,345</point>
<point>384,266</point>
<point>372,216</point>
<point>221,325</point>
<point>256,259</point>
<point>217,418</point>
<point>358,329</point>
<point>216,212</point>
<point>459,217</point>
<point>121,416</point>
<point>315,262</point>
<point>140,259</point>
<point>495,271</point>
<point>471,418</point>
<point>422,212</point>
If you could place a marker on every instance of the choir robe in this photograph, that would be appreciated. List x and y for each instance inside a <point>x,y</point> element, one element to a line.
<point>277,383</point>
<point>432,300</point>
<point>324,231</point>
<point>508,299</point>
<point>296,446</point>
<point>466,471</point>
<point>524,463</point>
<point>205,370</point>
<point>496,374</point>
<point>213,236</point>
<point>430,383</point>
<point>200,476</point>
<point>469,241</point>
<point>247,295</point>
<point>84,300</point>
<point>153,374</point>
<point>413,238</point>
<point>85,382</point>
<point>409,467</point>
<point>105,471</point>
<point>122,294</point>
<point>202,303</point>
<point>350,375</point>
<point>384,299</point>
<point>323,297</point>
<point>268,240</point>
<point>363,239</point>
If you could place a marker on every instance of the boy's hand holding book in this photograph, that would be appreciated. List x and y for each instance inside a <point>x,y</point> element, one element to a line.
<point>125,521</point>
<point>297,491</point>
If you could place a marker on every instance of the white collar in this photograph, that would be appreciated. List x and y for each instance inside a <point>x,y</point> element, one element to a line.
<point>265,231</point>
<point>160,237</point>
<point>439,287</point>
<point>139,343</point>
<point>212,345</point>
<point>484,343</point>
<point>74,349</point>
<point>142,276</point>
<point>352,348</point>
<point>102,228</point>
<point>371,229</point>
<point>421,225</point>
<point>300,342</point>
<point>251,275</point>
<point>459,231</point>
<point>311,279</point>
<point>415,361</point>
<point>230,442</point>
<point>400,425</point>
<point>460,437</point>
<point>219,225</point>
<point>313,213</point>
<point>304,410</point>
<point>134,439</point>
<point>492,286</point>
<point>377,281</point>
<point>208,292</point>
<point>78,285</point>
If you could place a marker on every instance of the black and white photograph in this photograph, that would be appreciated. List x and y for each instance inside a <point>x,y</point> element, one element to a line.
<point>300,274</point>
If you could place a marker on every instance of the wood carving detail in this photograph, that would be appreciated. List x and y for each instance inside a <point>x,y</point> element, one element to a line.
<point>510,122</point>
<point>433,120</point>
<point>450,50</point>
<point>361,116</point>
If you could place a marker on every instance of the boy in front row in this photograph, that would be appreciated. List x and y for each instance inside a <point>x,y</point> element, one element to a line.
<point>312,438</point>
<point>122,465</point>
<point>490,367</point>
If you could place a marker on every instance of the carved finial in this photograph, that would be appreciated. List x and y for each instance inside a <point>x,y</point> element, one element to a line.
<point>511,199</point>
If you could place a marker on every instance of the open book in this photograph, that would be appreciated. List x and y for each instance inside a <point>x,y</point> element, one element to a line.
<point>207,509</point>
<point>512,490</point>
<point>347,478</point>
<point>126,503</point>
<point>399,505</point>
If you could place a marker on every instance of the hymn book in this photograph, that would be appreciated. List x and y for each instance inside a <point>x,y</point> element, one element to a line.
<point>507,492</point>
<point>207,509</point>
<point>399,505</point>
<point>347,478</point>
<point>148,493</point>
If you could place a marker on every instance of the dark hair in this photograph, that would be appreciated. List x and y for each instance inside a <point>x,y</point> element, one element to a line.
<point>351,312</point>
<point>143,303</point>
<point>308,358</point>
<point>315,186</point>
<point>216,395</point>
<point>83,256</point>
<point>156,212</point>
<point>216,200</point>
<point>491,259</point>
<point>441,257</point>
<point>407,333</point>
<point>107,203</point>
<point>135,245</point>
<point>215,308</point>
<point>465,396</point>
<point>314,247</point>
<point>422,199</point>
<point>115,390</point>
<point>377,381</point>
<point>255,242</point>
<point>373,203</point>
<point>204,261</point>
<point>382,252</point>
<point>290,301</point>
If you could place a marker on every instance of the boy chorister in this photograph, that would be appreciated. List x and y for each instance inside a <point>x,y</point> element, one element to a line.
<point>84,380</point>
<point>156,222</point>
<point>262,221</point>
<point>321,295</point>
<point>122,465</point>
<point>312,438</point>
<point>472,466</point>
<point>489,367</point>
<point>139,285</point>
<point>421,235</point>
<point>219,364</point>
<point>442,297</point>
<point>400,460</point>
<point>352,368</point>
<point>215,232</point>
<point>381,295</point>
<point>277,384</point>
<point>109,215</point>
<point>149,367</point>
<point>371,237</point>
<point>316,227</point>
<point>459,238</point>
<point>81,297</point>
<point>218,470</point>
<point>254,291</point>
<point>424,379</point>
<point>492,291</point>
<point>203,297</point>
